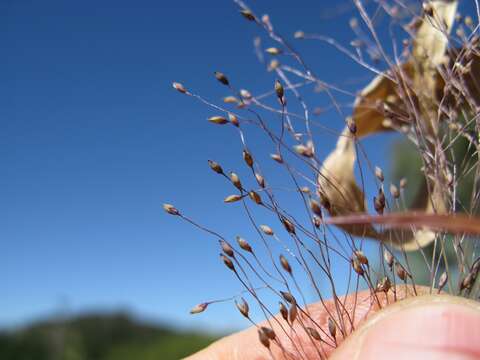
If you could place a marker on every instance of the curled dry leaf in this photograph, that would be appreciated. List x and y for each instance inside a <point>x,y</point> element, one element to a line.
<point>378,108</point>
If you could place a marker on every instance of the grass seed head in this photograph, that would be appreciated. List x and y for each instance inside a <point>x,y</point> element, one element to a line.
<point>387,255</point>
<point>236,181</point>
<point>263,338</point>
<point>394,191</point>
<point>403,183</point>
<point>170,209</point>
<point>285,264</point>
<point>269,332</point>
<point>267,230</point>
<point>313,333</point>
<point>288,297</point>
<point>273,51</point>
<point>219,120</point>
<point>179,87</point>
<point>221,78</point>
<point>243,307</point>
<point>233,119</point>
<point>299,34</point>
<point>332,328</point>
<point>361,257</point>
<point>288,225</point>
<point>279,90</point>
<point>401,272</point>
<point>228,263</point>
<point>254,196</point>
<point>283,311</point>
<point>304,150</point>
<point>352,126</point>
<point>215,167</point>
<point>247,14</point>
<point>244,244</point>
<point>248,158</point>
<point>316,207</point>
<point>199,308</point>
<point>230,100</point>
<point>293,313</point>
<point>379,174</point>
<point>260,180</point>
<point>226,248</point>
<point>442,281</point>
<point>357,266</point>
<point>233,198</point>
<point>277,157</point>
<point>384,285</point>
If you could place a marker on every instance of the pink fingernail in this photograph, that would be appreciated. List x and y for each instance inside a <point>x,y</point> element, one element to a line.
<point>432,331</point>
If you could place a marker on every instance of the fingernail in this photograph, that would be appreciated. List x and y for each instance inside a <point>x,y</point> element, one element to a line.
<point>431,327</point>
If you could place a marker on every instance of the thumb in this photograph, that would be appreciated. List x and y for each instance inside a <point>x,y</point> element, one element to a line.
<point>425,327</point>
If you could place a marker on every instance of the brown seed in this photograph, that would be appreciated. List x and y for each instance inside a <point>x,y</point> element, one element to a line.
<point>442,281</point>
<point>379,202</point>
<point>352,126</point>
<point>232,198</point>
<point>199,308</point>
<point>170,209</point>
<point>269,332</point>
<point>387,255</point>
<point>221,78</point>
<point>245,94</point>
<point>179,87</point>
<point>299,34</point>
<point>279,90</point>
<point>233,119</point>
<point>230,100</point>
<point>401,272</point>
<point>227,249</point>
<point>243,307</point>
<point>305,190</point>
<point>283,311</point>
<point>317,221</point>
<point>277,158</point>
<point>228,263</point>
<point>247,14</point>
<point>263,338</point>
<point>285,264</point>
<point>273,51</point>
<point>274,64</point>
<point>357,266</point>
<point>255,197</point>
<point>219,120</point>
<point>394,191</point>
<point>248,158</point>
<point>304,150</point>
<point>288,225</point>
<point>288,297</point>
<point>316,207</point>
<point>361,257</point>
<point>260,180</point>
<point>379,174</point>
<point>236,180</point>
<point>384,285</point>
<point>293,313</point>
<point>467,282</point>
<point>215,166</point>
<point>244,244</point>
<point>267,230</point>
<point>313,333</point>
<point>332,327</point>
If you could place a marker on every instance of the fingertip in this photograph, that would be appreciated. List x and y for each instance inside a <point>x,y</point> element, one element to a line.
<point>426,327</point>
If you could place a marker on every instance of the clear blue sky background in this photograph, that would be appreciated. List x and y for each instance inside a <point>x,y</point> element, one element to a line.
<point>93,140</point>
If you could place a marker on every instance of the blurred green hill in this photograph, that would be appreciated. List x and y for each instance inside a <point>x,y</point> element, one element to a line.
<point>99,337</point>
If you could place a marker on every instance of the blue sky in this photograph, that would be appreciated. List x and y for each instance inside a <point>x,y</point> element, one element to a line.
<point>93,140</point>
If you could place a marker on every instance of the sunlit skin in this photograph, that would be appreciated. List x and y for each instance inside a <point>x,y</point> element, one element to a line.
<point>418,327</point>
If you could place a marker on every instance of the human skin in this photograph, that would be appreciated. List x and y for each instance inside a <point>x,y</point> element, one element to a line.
<point>400,326</point>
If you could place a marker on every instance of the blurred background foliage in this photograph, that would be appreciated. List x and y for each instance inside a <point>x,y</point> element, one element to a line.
<point>117,336</point>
